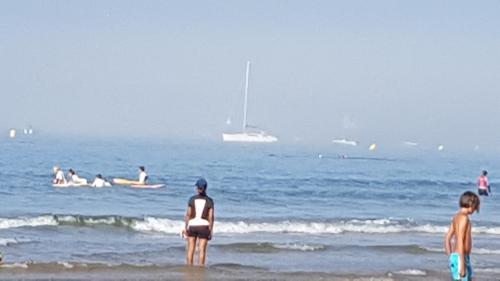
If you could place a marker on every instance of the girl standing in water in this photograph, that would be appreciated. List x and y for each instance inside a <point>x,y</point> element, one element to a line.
<point>199,222</point>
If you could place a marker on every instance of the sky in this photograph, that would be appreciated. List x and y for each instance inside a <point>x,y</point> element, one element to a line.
<point>423,71</point>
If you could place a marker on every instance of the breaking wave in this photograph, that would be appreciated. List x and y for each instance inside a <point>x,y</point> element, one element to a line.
<point>169,226</point>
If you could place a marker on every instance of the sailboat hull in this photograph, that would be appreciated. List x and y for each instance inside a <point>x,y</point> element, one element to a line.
<point>345,142</point>
<point>249,137</point>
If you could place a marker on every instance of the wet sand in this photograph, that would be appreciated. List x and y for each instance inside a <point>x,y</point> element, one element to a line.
<point>183,273</point>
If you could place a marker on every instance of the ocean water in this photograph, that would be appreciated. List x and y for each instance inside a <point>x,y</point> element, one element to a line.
<point>281,208</point>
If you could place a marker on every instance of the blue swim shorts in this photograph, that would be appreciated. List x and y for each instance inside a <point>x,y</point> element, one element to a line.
<point>455,268</point>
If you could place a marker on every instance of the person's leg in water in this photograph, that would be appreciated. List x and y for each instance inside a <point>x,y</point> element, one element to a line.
<point>203,250</point>
<point>191,249</point>
<point>482,192</point>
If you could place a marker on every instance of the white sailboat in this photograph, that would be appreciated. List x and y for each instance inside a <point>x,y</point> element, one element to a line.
<point>349,126</point>
<point>245,136</point>
<point>345,141</point>
<point>410,143</point>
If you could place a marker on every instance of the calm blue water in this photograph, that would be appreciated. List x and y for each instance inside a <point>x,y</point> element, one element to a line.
<point>278,207</point>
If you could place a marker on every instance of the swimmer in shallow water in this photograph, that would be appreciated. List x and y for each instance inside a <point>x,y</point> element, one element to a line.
<point>483,185</point>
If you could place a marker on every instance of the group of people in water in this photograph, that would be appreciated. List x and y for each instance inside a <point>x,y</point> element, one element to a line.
<point>200,217</point>
<point>99,181</point>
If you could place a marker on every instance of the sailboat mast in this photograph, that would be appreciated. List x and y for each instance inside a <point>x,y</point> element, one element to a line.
<point>246,98</point>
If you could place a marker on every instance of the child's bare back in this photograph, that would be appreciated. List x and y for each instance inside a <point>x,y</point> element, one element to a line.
<point>463,241</point>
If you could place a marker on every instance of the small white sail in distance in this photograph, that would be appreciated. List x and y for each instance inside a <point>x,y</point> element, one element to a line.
<point>372,147</point>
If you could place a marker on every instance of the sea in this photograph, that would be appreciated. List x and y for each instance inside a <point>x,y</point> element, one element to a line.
<point>282,208</point>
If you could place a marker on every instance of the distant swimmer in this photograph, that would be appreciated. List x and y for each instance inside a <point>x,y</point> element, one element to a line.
<point>74,178</point>
<point>143,177</point>
<point>59,176</point>
<point>199,222</point>
<point>483,186</point>
<point>99,181</point>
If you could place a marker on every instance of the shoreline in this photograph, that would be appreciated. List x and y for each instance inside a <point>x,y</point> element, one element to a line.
<point>215,272</point>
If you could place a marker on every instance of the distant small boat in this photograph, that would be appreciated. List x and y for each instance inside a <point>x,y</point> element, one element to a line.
<point>372,147</point>
<point>345,141</point>
<point>440,147</point>
<point>12,133</point>
<point>28,131</point>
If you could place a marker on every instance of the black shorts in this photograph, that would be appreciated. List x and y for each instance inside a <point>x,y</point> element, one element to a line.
<point>482,192</point>
<point>199,232</point>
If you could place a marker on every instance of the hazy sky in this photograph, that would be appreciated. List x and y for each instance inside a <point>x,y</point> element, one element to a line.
<point>401,70</point>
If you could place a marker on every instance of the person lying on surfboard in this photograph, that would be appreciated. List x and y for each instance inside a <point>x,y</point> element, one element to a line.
<point>74,178</point>
<point>59,176</point>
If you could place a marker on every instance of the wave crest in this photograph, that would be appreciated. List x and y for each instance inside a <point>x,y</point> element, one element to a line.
<point>169,226</point>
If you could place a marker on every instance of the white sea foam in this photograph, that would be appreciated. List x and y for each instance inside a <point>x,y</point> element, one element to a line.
<point>7,241</point>
<point>381,226</point>
<point>434,250</point>
<point>486,230</point>
<point>14,265</point>
<point>6,223</point>
<point>66,264</point>
<point>475,251</point>
<point>482,251</point>
<point>169,226</point>
<point>366,226</point>
<point>298,247</point>
<point>89,220</point>
<point>413,272</point>
<point>356,226</point>
<point>151,224</point>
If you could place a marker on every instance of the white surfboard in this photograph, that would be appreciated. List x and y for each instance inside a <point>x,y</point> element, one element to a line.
<point>146,186</point>
<point>70,184</point>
